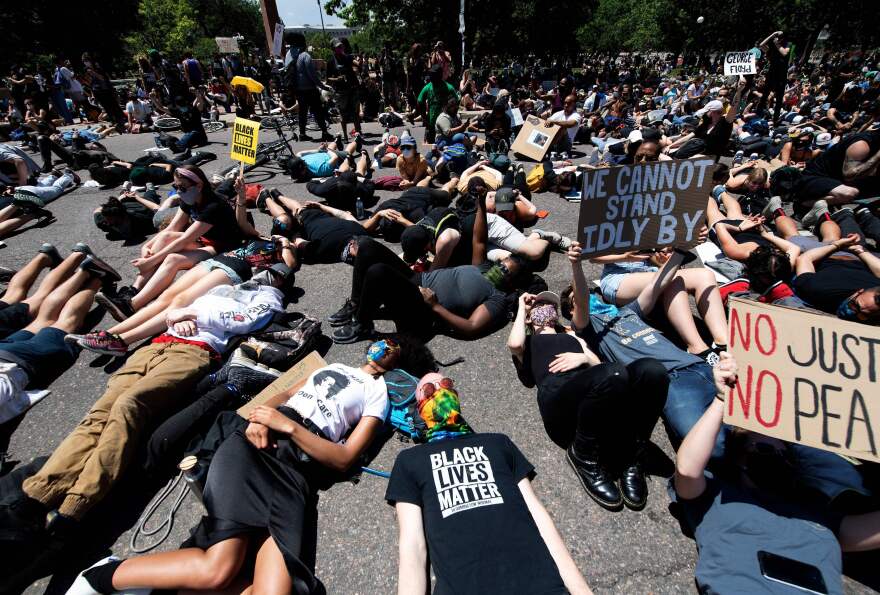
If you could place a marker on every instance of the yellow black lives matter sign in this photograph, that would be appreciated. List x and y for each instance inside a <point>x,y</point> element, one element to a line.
<point>244,140</point>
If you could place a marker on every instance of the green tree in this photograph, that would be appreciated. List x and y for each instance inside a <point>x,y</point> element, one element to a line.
<point>169,26</point>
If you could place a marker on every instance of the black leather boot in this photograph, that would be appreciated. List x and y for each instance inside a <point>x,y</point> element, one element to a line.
<point>633,486</point>
<point>595,479</point>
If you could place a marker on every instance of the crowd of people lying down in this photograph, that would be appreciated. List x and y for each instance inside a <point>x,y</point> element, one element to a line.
<point>458,249</point>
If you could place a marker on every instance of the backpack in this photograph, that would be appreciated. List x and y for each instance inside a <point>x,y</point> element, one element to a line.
<point>403,412</point>
<point>390,120</point>
<point>783,182</point>
<point>290,75</point>
<point>288,338</point>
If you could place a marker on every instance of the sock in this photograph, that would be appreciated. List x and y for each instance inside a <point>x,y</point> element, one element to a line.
<point>101,577</point>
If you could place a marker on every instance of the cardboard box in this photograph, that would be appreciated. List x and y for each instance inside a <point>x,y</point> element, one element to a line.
<point>535,138</point>
<point>277,393</point>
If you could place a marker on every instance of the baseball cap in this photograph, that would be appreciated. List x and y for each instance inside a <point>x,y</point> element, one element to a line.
<point>635,136</point>
<point>414,241</point>
<point>823,139</point>
<point>335,43</point>
<point>549,297</point>
<point>407,140</point>
<point>504,200</point>
<point>714,106</point>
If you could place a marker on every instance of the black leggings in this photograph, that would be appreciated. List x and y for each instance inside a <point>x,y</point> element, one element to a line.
<point>615,404</point>
<point>379,279</point>
<point>865,225</point>
<point>48,146</point>
<point>310,99</point>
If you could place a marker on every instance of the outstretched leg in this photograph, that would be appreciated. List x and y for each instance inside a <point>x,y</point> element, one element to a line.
<point>54,279</point>
<point>24,279</point>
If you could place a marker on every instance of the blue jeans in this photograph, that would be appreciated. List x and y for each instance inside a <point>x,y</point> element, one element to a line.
<point>58,100</point>
<point>691,390</point>
<point>826,472</point>
<point>44,355</point>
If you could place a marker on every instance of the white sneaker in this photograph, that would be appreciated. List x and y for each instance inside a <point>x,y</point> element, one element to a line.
<point>812,217</point>
<point>81,586</point>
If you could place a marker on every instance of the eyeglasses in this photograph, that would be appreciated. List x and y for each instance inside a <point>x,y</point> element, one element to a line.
<point>429,388</point>
<point>180,187</point>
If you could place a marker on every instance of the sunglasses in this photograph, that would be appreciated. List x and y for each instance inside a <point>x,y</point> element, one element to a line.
<point>429,388</point>
<point>180,187</point>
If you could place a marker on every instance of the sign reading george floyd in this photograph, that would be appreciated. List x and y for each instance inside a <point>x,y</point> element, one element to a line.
<point>649,205</point>
<point>805,378</point>
<point>244,140</point>
<point>736,63</point>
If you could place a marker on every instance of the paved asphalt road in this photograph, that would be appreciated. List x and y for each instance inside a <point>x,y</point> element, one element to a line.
<point>624,552</point>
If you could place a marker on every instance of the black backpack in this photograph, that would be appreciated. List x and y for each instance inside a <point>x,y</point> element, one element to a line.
<point>290,75</point>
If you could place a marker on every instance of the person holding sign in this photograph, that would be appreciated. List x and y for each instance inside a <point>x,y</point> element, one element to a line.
<point>756,505</point>
<point>621,335</point>
<point>589,408</point>
<point>263,484</point>
<point>777,72</point>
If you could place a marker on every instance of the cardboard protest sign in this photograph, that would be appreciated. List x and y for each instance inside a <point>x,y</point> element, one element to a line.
<point>535,138</point>
<point>244,141</point>
<point>736,63</point>
<point>649,205</point>
<point>805,378</point>
<point>227,45</point>
<point>288,383</point>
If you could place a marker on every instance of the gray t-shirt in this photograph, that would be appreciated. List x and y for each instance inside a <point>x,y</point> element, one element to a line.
<point>461,289</point>
<point>10,153</point>
<point>624,337</point>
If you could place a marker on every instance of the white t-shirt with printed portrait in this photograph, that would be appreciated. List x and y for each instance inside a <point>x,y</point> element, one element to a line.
<point>337,396</point>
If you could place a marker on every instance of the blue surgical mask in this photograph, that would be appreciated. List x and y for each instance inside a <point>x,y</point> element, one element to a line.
<point>845,310</point>
<point>189,196</point>
<point>407,153</point>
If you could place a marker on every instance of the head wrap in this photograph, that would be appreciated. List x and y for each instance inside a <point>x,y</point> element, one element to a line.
<point>189,175</point>
<point>440,408</point>
<point>544,315</point>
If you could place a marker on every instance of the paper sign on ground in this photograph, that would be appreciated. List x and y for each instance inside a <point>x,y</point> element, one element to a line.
<point>805,378</point>
<point>736,63</point>
<point>535,138</point>
<point>649,205</point>
<point>244,140</point>
<point>227,45</point>
<point>288,383</point>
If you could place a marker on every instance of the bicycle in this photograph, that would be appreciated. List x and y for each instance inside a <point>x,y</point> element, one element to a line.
<point>169,123</point>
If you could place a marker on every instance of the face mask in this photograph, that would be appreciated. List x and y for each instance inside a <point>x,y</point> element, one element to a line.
<point>407,153</point>
<point>497,276</point>
<point>189,195</point>
<point>440,408</point>
<point>544,315</point>
<point>380,349</point>
<point>846,312</point>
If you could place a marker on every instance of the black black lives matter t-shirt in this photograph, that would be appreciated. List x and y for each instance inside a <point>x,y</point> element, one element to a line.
<point>481,537</point>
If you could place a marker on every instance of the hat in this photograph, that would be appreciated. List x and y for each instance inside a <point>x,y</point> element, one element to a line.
<point>714,106</point>
<point>504,200</point>
<point>414,241</point>
<point>635,136</point>
<point>406,140</point>
<point>823,139</point>
<point>335,43</point>
<point>549,297</point>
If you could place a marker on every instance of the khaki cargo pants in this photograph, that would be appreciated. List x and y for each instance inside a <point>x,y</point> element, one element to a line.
<point>153,383</point>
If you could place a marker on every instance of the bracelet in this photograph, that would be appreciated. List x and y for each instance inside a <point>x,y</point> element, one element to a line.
<point>720,397</point>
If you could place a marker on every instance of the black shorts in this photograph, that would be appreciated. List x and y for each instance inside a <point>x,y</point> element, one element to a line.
<point>812,187</point>
<point>13,317</point>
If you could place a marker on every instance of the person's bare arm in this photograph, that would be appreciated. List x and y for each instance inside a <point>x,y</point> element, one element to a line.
<point>869,259</point>
<point>791,250</point>
<point>338,213</point>
<point>858,164</point>
<point>516,340</point>
<point>731,248</point>
<point>806,262</point>
<point>571,576</point>
<point>580,316</point>
<point>413,576</point>
<point>444,247</point>
<point>860,532</point>
<point>241,210</point>
<point>730,116</point>
<point>337,456</point>
<point>480,240</point>
<point>470,328</point>
<point>138,198</point>
<point>696,448</point>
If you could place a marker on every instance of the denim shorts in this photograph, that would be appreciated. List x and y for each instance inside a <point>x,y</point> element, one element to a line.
<point>212,264</point>
<point>613,274</point>
<point>44,355</point>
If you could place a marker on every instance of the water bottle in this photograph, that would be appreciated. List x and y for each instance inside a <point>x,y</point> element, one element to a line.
<point>193,475</point>
<point>359,208</point>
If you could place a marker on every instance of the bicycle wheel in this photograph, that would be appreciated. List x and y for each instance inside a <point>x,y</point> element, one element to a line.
<point>270,122</point>
<point>167,123</point>
<point>214,126</point>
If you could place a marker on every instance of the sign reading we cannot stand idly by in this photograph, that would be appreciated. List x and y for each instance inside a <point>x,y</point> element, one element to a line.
<point>649,205</point>
<point>805,378</point>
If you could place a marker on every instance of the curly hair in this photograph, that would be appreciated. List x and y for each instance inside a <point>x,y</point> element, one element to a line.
<point>766,266</point>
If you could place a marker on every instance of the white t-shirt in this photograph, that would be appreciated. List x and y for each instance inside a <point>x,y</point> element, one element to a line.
<point>336,397</point>
<point>75,86</point>
<point>574,117</point>
<point>138,110</point>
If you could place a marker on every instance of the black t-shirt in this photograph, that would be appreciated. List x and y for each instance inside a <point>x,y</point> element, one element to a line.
<point>327,235</point>
<point>462,289</point>
<point>778,64</point>
<point>541,349</point>
<point>833,282</point>
<point>716,139</point>
<point>224,233</point>
<point>830,163</point>
<point>138,225</point>
<point>481,536</point>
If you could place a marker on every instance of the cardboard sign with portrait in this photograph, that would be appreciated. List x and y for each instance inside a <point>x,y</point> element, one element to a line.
<point>535,138</point>
<point>805,378</point>
<point>649,205</point>
<point>288,383</point>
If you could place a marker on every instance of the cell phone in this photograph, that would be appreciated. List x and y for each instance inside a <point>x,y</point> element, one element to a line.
<point>793,573</point>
